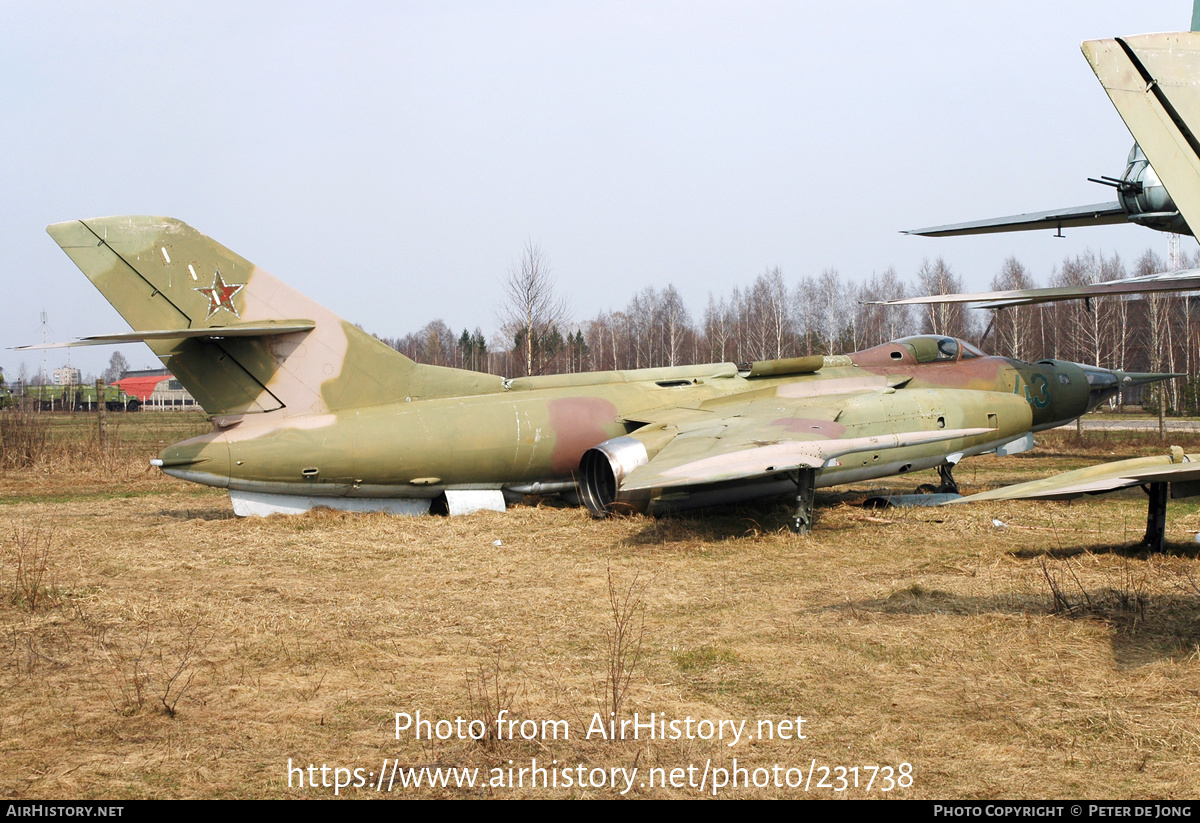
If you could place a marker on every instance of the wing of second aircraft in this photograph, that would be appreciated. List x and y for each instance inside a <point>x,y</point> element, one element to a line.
<point>1184,280</point>
<point>1175,467</point>
<point>1097,214</point>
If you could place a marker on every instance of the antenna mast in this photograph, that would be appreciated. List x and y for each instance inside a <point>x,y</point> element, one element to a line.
<point>45,329</point>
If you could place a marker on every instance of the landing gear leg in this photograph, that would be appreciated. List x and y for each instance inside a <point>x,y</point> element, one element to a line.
<point>948,484</point>
<point>806,486</point>
<point>1156,518</point>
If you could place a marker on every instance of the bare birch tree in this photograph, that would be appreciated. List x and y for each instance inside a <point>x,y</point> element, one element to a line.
<point>1014,325</point>
<point>827,314</point>
<point>943,318</point>
<point>532,308</point>
<point>676,325</point>
<point>772,311</point>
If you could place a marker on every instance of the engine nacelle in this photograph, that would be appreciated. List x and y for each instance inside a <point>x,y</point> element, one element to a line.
<point>601,470</point>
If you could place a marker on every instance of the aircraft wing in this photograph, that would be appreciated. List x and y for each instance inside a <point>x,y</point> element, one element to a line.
<point>1176,467</point>
<point>1097,214</point>
<point>759,443</point>
<point>1184,280</point>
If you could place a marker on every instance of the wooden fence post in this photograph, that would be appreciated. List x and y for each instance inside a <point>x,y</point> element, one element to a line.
<point>101,415</point>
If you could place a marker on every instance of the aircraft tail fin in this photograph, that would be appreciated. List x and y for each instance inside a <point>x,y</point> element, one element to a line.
<point>246,342</point>
<point>1151,79</point>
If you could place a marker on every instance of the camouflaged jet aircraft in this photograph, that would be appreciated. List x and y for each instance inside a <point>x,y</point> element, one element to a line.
<point>309,410</point>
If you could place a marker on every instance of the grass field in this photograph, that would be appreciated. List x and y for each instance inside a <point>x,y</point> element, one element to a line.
<point>152,645</point>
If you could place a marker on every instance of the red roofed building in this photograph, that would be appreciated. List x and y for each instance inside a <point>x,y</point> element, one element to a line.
<point>157,389</point>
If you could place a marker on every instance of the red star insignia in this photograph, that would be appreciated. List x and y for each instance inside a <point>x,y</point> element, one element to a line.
<point>220,295</point>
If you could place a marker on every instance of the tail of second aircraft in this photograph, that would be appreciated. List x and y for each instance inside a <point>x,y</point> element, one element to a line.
<point>238,339</point>
<point>1152,80</point>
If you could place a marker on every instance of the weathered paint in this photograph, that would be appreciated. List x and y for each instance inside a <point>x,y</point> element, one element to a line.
<point>330,412</point>
<point>577,423</point>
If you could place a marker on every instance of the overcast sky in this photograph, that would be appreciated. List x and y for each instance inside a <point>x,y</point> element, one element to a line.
<point>391,159</point>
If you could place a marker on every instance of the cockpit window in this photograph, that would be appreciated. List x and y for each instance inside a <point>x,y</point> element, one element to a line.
<point>969,351</point>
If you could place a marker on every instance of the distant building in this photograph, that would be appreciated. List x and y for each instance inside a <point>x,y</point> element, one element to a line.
<point>67,376</point>
<point>157,389</point>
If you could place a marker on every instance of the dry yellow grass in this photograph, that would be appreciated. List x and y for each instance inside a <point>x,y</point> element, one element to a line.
<point>179,652</point>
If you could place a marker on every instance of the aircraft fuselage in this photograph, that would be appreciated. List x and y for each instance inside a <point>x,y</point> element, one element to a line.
<point>536,430</point>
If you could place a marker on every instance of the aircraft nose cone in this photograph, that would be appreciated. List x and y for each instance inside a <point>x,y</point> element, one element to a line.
<point>1105,383</point>
<point>203,459</point>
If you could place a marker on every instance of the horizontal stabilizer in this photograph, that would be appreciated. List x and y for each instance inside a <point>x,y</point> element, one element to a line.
<point>1097,214</point>
<point>209,333</point>
<point>1185,280</point>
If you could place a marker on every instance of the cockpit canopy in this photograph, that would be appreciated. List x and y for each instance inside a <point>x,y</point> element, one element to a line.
<point>920,348</point>
<point>935,348</point>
